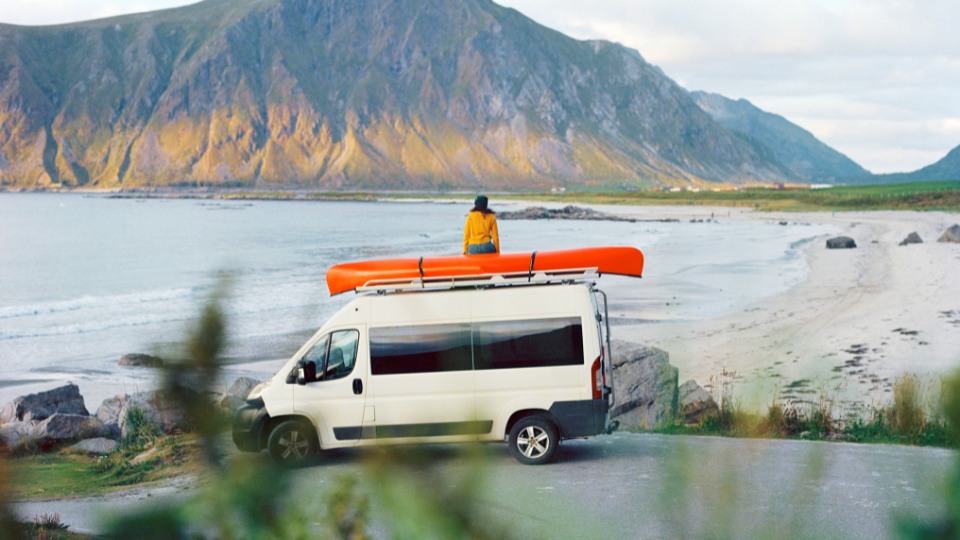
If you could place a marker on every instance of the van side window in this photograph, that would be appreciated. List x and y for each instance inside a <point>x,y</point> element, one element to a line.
<point>531,343</point>
<point>420,349</point>
<point>331,357</point>
<point>343,354</point>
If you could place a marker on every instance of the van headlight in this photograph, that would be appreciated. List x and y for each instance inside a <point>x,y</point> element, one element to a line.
<point>258,389</point>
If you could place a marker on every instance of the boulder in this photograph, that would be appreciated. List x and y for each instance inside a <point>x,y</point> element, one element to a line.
<point>841,242</point>
<point>695,403</point>
<point>158,406</point>
<point>99,446</point>
<point>62,427</point>
<point>35,407</point>
<point>237,394</point>
<point>644,385</point>
<point>912,238</point>
<point>14,432</point>
<point>110,413</point>
<point>951,235</point>
<point>140,360</point>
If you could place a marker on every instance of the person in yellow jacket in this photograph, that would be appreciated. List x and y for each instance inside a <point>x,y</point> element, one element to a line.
<point>480,232</point>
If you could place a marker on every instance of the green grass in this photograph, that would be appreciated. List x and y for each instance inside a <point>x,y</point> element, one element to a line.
<point>942,195</point>
<point>63,475</point>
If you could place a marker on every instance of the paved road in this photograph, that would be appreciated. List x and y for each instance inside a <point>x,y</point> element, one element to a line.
<point>652,486</point>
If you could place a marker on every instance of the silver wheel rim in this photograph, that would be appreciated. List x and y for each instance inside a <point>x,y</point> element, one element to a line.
<point>293,445</point>
<point>533,442</point>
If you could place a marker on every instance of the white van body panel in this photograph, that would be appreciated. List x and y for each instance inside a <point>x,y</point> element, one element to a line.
<point>444,406</point>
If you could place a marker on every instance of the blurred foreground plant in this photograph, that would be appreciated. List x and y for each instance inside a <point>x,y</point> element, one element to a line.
<point>247,496</point>
<point>946,526</point>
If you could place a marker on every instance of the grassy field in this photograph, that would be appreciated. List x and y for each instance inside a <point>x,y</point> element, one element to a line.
<point>942,195</point>
<point>912,196</point>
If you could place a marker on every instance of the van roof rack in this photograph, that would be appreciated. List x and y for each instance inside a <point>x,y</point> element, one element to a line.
<point>480,281</point>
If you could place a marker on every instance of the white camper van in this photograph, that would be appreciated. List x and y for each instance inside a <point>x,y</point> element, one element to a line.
<point>520,360</point>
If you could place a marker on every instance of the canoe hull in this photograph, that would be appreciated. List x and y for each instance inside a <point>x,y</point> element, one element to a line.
<point>620,260</point>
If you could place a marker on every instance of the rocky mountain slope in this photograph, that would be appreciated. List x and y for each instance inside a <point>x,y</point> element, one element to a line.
<point>947,168</point>
<point>808,158</point>
<point>349,94</point>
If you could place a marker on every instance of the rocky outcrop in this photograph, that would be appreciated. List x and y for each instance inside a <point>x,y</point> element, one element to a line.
<point>695,403</point>
<point>158,407</point>
<point>400,95</point>
<point>567,212</point>
<point>36,407</point>
<point>61,428</point>
<point>841,242</point>
<point>644,385</point>
<point>912,238</point>
<point>951,235</point>
<point>140,360</point>
<point>49,419</point>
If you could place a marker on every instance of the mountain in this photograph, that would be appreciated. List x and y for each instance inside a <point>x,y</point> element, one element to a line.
<point>804,155</point>
<point>348,94</point>
<point>947,168</point>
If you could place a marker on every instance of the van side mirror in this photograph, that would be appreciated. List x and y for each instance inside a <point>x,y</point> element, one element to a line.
<point>301,379</point>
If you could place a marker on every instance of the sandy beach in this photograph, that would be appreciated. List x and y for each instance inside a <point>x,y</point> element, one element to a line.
<point>860,319</point>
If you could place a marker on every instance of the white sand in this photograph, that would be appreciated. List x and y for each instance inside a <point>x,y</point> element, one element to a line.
<point>862,318</point>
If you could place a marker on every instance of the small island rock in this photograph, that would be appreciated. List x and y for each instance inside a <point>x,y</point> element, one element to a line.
<point>841,242</point>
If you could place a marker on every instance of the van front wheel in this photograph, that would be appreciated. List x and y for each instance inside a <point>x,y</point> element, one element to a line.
<point>292,443</point>
<point>534,440</point>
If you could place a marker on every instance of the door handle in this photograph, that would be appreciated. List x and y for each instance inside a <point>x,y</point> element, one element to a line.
<point>357,386</point>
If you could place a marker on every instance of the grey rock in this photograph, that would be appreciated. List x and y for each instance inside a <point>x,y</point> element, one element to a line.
<point>35,407</point>
<point>110,412</point>
<point>62,427</point>
<point>644,385</point>
<point>236,395</point>
<point>98,446</point>
<point>14,432</point>
<point>159,407</point>
<point>695,403</point>
<point>841,242</point>
<point>140,360</point>
<point>912,238</point>
<point>241,387</point>
<point>567,212</point>
<point>951,235</point>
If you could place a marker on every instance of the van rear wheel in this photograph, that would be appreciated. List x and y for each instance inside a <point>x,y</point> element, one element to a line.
<point>534,440</point>
<point>292,443</point>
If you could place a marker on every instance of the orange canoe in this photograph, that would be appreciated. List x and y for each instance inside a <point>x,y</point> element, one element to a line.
<point>625,261</point>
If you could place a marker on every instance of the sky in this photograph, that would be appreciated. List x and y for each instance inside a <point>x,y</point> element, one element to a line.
<point>878,80</point>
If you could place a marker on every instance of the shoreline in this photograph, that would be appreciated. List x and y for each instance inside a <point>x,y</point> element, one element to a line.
<point>859,319</point>
<point>856,321</point>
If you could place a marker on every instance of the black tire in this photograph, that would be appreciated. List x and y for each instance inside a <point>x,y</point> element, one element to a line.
<point>534,440</point>
<point>292,443</point>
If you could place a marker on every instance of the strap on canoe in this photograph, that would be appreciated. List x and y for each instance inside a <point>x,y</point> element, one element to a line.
<point>533,257</point>
<point>420,266</point>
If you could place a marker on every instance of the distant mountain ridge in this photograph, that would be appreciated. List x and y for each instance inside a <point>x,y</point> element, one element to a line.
<point>348,94</point>
<point>809,159</point>
<point>374,94</point>
<point>947,168</point>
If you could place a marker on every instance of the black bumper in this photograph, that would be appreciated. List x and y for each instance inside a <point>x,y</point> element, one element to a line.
<point>581,418</point>
<point>248,424</point>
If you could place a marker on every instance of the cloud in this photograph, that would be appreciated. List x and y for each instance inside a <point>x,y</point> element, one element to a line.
<point>46,12</point>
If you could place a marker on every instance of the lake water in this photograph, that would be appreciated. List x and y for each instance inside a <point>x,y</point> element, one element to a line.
<point>86,279</point>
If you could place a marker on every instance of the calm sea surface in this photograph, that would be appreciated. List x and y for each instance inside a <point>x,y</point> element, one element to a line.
<point>86,279</point>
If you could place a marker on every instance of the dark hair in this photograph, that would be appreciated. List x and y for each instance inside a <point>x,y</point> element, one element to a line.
<point>480,205</point>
